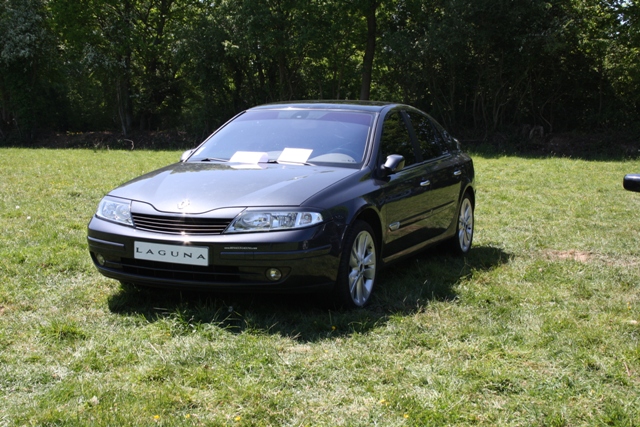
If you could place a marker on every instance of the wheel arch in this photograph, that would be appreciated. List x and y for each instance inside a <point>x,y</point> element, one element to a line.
<point>370,216</point>
<point>469,189</point>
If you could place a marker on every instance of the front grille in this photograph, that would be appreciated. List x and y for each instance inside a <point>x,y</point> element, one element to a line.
<point>179,224</point>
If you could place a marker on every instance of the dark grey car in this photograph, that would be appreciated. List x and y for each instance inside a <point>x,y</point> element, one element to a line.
<point>292,197</point>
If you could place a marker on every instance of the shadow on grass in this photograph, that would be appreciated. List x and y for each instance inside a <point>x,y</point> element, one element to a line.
<point>403,289</point>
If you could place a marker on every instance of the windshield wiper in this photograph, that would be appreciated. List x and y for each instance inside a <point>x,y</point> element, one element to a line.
<point>214,159</point>
<point>290,163</point>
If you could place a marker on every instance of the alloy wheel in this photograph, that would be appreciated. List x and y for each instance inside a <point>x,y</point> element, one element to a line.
<point>465,225</point>
<point>362,264</point>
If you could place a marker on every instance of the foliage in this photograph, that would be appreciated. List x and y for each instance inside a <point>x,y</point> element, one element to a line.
<point>484,66</point>
<point>31,95</point>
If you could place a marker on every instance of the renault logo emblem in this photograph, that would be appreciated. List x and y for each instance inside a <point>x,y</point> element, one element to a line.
<point>183,204</point>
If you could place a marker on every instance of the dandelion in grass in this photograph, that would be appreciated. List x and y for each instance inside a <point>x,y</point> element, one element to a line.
<point>237,418</point>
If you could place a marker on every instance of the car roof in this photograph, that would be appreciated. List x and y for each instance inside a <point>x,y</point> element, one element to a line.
<point>368,106</point>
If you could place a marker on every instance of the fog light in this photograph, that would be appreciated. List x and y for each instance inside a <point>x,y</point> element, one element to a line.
<point>274,274</point>
<point>100,259</point>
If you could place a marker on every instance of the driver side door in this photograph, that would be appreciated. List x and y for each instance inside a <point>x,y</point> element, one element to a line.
<point>403,196</point>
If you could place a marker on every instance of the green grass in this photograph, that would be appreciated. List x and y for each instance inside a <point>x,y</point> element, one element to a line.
<point>538,326</point>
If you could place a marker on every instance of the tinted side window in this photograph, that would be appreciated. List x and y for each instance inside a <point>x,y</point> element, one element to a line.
<point>396,139</point>
<point>450,145</point>
<point>429,140</point>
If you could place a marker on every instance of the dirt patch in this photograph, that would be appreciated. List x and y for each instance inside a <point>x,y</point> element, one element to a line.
<point>586,257</point>
<point>573,255</point>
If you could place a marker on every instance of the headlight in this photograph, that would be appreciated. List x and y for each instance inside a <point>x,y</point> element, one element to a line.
<point>249,221</point>
<point>117,210</point>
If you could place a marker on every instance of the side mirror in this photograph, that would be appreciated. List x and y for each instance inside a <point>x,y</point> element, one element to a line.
<point>394,163</point>
<point>631,182</point>
<point>186,155</point>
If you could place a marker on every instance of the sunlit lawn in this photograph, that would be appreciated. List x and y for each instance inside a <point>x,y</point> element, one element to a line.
<point>539,325</point>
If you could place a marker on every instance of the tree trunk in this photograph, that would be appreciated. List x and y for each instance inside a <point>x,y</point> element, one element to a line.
<point>125,110</point>
<point>367,63</point>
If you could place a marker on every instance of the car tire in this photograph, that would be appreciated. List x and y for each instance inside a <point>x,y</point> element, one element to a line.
<point>358,267</point>
<point>463,239</point>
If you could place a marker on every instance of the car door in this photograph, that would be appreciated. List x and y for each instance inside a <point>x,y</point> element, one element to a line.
<point>441,169</point>
<point>402,196</point>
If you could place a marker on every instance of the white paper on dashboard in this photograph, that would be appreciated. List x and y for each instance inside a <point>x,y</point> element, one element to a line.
<point>294,155</point>
<point>249,157</point>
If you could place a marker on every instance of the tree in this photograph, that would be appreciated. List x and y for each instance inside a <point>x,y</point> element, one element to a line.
<point>98,36</point>
<point>28,73</point>
<point>130,48</point>
<point>482,66</point>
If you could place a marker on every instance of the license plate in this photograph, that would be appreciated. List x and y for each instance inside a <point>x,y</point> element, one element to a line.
<point>191,255</point>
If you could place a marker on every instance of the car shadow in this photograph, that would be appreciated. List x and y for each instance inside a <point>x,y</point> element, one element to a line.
<point>404,288</point>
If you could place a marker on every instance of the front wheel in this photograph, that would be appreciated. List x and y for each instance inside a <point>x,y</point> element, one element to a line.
<point>461,242</point>
<point>357,272</point>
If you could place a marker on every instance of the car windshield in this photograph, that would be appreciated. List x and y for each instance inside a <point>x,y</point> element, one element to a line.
<point>291,136</point>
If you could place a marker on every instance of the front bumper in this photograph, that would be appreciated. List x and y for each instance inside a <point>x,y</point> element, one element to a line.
<point>307,258</point>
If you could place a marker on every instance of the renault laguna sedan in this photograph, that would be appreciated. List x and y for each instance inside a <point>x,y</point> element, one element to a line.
<point>292,197</point>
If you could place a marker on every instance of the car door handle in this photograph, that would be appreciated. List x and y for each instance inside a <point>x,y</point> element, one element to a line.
<point>457,173</point>
<point>425,183</point>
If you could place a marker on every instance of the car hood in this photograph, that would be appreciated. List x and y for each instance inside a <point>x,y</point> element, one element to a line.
<point>202,187</point>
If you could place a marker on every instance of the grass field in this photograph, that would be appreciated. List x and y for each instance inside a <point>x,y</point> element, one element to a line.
<point>538,326</point>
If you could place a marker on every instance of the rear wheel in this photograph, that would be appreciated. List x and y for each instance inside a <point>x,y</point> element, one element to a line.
<point>461,242</point>
<point>357,272</point>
